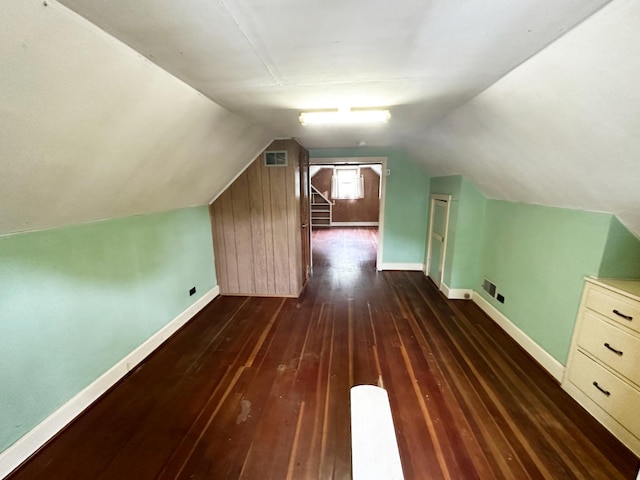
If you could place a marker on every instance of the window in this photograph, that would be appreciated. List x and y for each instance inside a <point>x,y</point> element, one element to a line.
<point>275,158</point>
<point>347,183</point>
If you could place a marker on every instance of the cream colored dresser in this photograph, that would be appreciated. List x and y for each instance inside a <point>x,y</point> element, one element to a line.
<point>603,371</point>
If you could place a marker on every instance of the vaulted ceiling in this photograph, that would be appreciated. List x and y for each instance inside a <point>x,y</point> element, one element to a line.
<point>267,60</point>
<point>496,90</point>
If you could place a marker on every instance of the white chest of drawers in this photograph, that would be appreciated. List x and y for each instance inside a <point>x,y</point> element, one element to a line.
<point>603,370</point>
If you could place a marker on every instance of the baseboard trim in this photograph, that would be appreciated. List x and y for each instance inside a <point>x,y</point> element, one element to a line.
<point>550,364</point>
<point>403,266</point>
<point>456,293</point>
<point>354,224</point>
<point>33,440</point>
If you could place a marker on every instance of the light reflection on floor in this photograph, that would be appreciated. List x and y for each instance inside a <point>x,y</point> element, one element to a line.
<point>343,255</point>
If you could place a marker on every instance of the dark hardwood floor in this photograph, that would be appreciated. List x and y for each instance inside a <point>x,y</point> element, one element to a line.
<point>258,388</point>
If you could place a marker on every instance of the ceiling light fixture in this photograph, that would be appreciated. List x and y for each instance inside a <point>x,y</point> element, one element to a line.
<point>345,116</point>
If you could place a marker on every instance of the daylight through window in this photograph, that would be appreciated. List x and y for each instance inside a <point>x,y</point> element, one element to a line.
<point>347,183</point>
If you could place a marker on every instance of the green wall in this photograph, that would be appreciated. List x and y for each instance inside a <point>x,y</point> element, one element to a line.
<point>466,223</point>
<point>621,257</point>
<point>469,236</point>
<point>74,301</point>
<point>406,202</point>
<point>537,256</point>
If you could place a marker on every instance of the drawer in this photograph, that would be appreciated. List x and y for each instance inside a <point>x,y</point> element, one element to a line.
<point>614,306</point>
<point>623,400</point>
<point>600,339</point>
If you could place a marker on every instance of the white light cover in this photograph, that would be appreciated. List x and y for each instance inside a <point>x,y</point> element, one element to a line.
<point>345,117</point>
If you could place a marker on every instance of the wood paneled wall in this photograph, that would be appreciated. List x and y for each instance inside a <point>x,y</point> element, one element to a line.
<point>256,229</point>
<point>365,209</point>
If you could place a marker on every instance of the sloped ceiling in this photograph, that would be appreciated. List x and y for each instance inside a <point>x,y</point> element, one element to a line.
<point>90,130</point>
<point>262,62</point>
<point>563,129</point>
<point>267,60</point>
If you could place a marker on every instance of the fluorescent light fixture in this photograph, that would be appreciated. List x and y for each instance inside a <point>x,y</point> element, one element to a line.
<point>345,116</point>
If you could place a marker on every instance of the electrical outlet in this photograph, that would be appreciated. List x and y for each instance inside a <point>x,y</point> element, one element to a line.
<point>500,298</point>
<point>192,291</point>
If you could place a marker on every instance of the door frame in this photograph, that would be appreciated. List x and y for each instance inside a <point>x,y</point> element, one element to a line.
<point>305,213</point>
<point>383,190</point>
<point>432,202</point>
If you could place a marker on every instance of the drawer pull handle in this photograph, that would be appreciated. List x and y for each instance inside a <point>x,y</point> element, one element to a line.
<point>617,352</point>
<point>606,392</point>
<point>626,317</point>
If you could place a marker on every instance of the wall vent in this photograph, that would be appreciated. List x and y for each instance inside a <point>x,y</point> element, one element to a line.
<point>489,287</point>
<point>275,158</point>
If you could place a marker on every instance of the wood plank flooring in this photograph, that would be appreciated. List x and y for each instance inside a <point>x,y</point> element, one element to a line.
<point>258,388</point>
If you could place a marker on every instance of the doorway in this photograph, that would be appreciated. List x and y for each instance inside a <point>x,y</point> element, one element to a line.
<point>437,238</point>
<point>342,189</point>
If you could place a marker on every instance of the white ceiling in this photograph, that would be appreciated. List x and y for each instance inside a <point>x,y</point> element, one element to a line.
<point>89,130</point>
<point>267,60</point>
<point>563,129</point>
<point>487,89</point>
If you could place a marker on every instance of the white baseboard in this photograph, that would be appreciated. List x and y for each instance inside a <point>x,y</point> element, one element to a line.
<point>555,368</point>
<point>17,453</point>
<point>354,224</point>
<point>403,266</point>
<point>456,293</point>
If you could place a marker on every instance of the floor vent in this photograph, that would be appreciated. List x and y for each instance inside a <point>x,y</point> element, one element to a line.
<point>489,287</point>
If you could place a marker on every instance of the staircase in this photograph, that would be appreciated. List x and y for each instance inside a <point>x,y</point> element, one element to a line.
<point>320,209</point>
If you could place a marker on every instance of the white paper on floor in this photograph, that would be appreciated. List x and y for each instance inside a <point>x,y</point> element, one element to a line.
<point>374,449</point>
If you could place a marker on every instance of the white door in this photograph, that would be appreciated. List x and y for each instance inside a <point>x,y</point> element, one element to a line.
<point>437,241</point>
